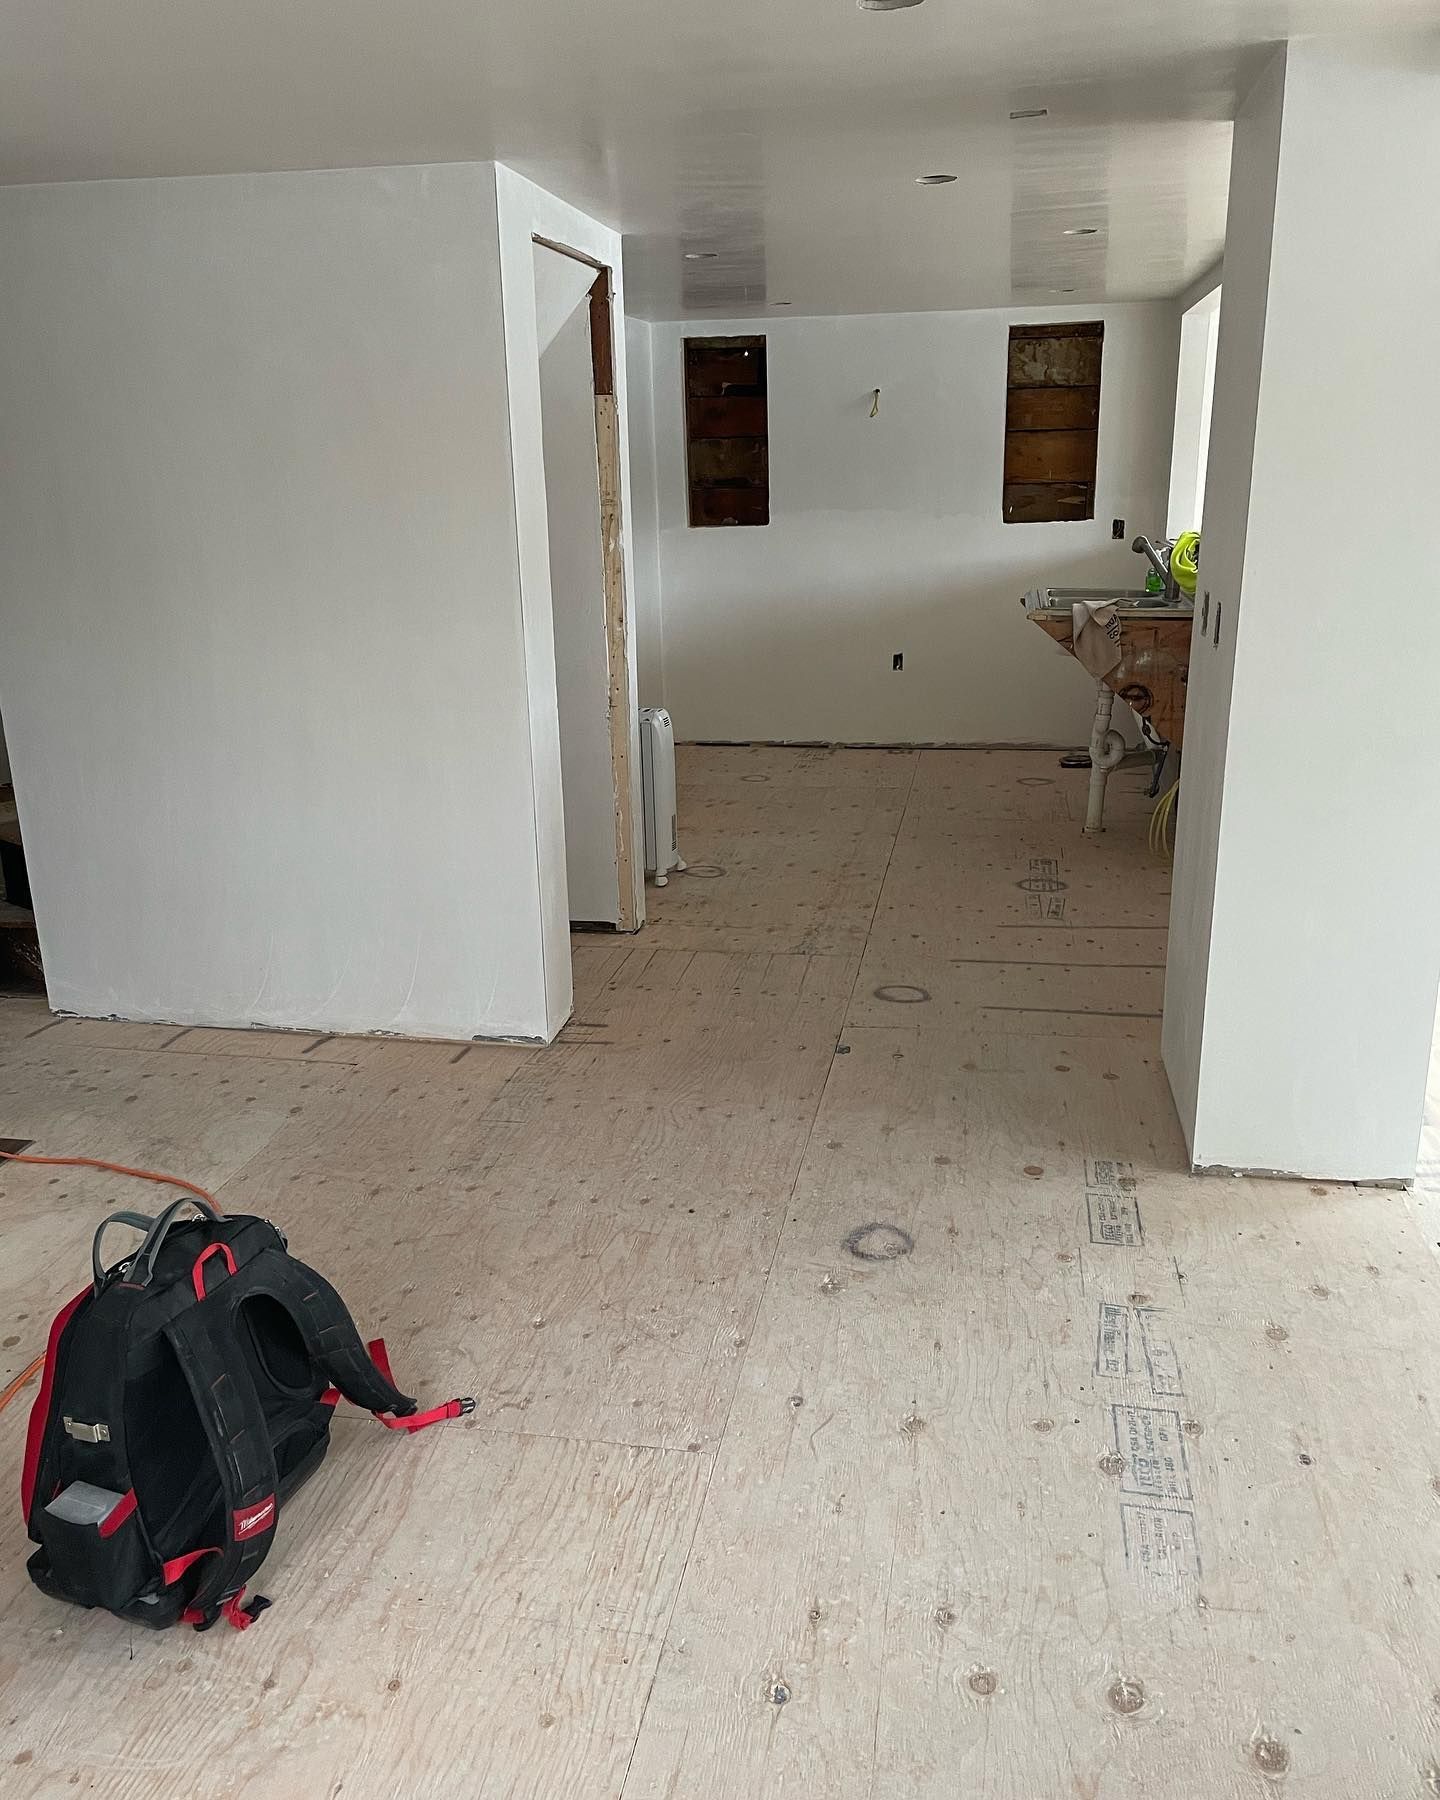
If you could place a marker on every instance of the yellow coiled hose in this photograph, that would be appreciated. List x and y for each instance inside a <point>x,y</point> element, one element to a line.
<point>1185,562</point>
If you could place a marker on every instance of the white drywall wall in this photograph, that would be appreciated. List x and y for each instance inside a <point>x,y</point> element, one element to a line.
<point>265,658</point>
<point>886,535</point>
<point>1194,398</point>
<point>577,588</point>
<point>1240,344</point>
<point>525,213</point>
<point>1305,950</point>
<point>561,283</point>
<point>649,623</point>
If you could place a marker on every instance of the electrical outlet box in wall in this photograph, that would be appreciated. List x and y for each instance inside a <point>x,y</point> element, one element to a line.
<point>1117,528</point>
<point>897,661</point>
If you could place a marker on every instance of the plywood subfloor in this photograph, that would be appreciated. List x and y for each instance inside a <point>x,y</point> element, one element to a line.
<point>869,1405</point>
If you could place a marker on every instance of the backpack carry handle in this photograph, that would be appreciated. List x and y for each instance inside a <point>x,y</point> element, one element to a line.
<point>142,1263</point>
<point>137,1220</point>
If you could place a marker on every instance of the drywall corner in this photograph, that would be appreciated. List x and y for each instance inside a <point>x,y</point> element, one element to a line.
<point>645,506</point>
<point>526,212</point>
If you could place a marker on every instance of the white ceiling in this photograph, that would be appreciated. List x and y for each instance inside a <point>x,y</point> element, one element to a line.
<point>786,134</point>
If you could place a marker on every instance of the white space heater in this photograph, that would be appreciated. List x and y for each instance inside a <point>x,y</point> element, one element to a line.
<point>657,781</point>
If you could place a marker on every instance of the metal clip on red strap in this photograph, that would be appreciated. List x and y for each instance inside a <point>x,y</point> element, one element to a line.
<point>242,1617</point>
<point>452,1409</point>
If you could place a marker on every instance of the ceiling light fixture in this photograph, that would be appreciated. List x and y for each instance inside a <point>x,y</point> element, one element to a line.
<point>701,255</point>
<point>1081,230</point>
<point>885,5</point>
<point>1062,290</point>
<point>782,302</point>
<point>934,180</point>
<point>1032,112</point>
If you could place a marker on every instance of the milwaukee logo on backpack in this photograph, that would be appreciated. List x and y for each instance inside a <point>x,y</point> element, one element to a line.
<point>187,1393</point>
<point>248,1523</point>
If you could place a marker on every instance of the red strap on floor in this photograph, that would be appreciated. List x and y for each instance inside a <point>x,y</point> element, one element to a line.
<point>452,1409</point>
<point>236,1613</point>
<point>230,1609</point>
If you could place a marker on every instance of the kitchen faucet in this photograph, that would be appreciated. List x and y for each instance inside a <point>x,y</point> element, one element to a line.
<point>1160,563</point>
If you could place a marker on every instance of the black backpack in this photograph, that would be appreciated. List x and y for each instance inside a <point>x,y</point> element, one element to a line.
<point>187,1393</point>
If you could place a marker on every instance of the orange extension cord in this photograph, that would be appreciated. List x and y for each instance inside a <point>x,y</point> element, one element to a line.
<point>89,1162</point>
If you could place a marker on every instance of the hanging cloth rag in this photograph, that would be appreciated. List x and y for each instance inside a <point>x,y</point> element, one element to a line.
<point>1095,629</point>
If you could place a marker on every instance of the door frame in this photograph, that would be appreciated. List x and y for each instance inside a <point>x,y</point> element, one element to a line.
<point>610,475</point>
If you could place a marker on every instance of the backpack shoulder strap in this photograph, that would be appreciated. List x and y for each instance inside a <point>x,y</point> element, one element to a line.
<point>328,1333</point>
<point>235,1428</point>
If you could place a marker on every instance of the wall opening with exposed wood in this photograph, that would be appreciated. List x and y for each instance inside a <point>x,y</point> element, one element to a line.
<point>727,431</point>
<point>1052,421</point>
<point>577,586</point>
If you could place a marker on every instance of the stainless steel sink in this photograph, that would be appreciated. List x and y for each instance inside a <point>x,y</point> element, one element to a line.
<point>1137,600</point>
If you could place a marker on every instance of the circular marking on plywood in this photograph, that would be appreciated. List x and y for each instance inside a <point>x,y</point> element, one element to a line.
<point>779,1693</point>
<point>1043,1426</point>
<point>1277,1334</point>
<point>1270,1756</point>
<point>1043,884</point>
<point>878,1242</point>
<point>1035,781</point>
<point>902,993</point>
<point>754,777</point>
<point>702,871</point>
<point>1112,1463</point>
<point>1125,1695</point>
<point>983,1682</point>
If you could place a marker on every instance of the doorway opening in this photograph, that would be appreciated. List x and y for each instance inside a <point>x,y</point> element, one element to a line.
<point>583,476</point>
<point>20,967</point>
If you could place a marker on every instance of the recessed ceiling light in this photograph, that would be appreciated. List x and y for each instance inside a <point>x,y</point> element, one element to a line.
<point>1032,112</point>
<point>1062,290</point>
<point>782,302</point>
<point>934,180</point>
<point>701,255</point>
<point>885,5</point>
<point>1081,230</point>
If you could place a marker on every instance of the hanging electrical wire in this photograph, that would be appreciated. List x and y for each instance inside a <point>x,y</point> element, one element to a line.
<point>1162,821</point>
